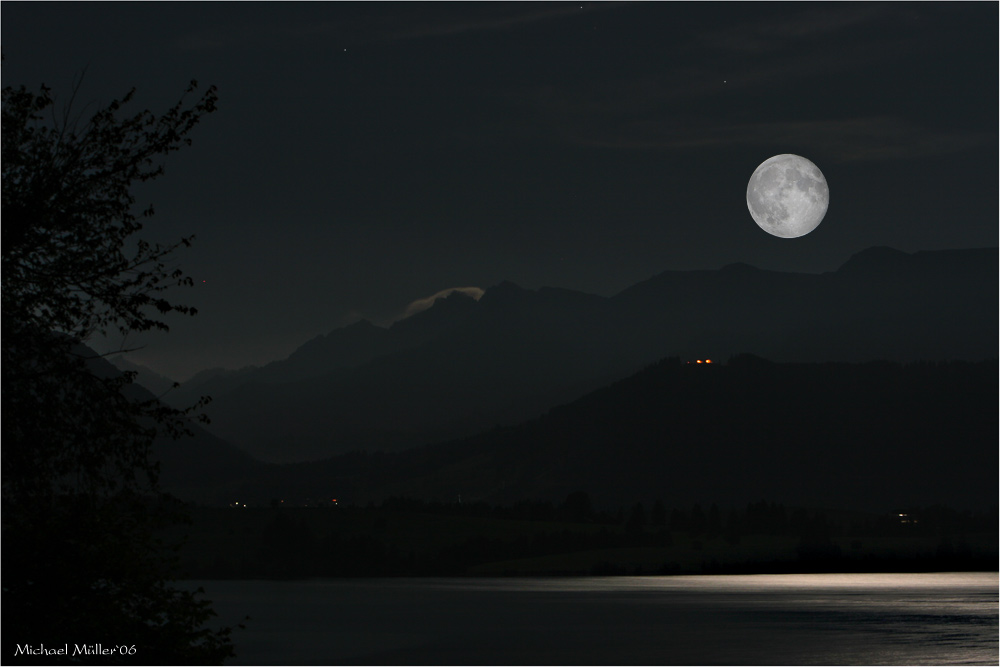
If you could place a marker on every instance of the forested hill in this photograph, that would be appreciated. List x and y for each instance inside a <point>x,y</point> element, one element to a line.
<point>463,365</point>
<point>871,436</point>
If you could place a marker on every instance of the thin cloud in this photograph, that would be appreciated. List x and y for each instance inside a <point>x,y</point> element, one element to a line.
<point>672,109</point>
<point>438,27</point>
<point>408,24</point>
<point>425,303</point>
<point>844,140</point>
<point>653,95</point>
<point>774,33</point>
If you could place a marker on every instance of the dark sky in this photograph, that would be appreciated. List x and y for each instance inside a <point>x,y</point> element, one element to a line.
<point>368,155</point>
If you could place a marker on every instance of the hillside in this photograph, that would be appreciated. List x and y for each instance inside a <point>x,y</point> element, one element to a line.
<point>465,365</point>
<point>871,436</point>
<point>200,467</point>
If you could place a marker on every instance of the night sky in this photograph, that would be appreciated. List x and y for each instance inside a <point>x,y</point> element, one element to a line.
<point>368,155</point>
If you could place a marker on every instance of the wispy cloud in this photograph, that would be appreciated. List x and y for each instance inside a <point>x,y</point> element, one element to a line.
<point>425,303</point>
<point>844,140</point>
<point>404,21</point>
<point>507,16</point>
<point>775,33</point>
<point>663,91</point>
<point>690,105</point>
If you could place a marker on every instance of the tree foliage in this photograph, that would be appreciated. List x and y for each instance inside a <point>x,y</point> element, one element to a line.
<point>81,504</point>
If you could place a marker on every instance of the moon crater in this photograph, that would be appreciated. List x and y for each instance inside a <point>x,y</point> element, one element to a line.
<point>787,196</point>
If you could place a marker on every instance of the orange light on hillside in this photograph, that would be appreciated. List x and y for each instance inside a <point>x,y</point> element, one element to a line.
<point>708,361</point>
<point>699,361</point>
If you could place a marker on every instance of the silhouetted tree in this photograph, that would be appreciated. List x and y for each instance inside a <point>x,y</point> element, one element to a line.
<point>699,522</point>
<point>734,528</point>
<point>714,521</point>
<point>766,518</point>
<point>636,519</point>
<point>679,520</point>
<point>577,507</point>
<point>658,515</point>
<point>81,503</point>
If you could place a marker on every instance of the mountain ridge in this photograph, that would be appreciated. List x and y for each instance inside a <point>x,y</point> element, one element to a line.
<point>873,436</point>
<point>463,365</point>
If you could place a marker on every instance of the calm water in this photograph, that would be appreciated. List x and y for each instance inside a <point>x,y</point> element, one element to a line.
<point>945,618</point>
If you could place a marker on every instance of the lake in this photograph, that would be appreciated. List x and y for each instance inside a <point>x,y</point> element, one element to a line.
<point>911,619</point>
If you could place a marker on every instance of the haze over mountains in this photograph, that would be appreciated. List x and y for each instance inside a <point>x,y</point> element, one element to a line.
<point>463,366</point>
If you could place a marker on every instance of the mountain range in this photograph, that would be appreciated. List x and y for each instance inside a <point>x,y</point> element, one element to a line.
<point>875,436</point>
<point>199,467</point>
<point>466,365</point>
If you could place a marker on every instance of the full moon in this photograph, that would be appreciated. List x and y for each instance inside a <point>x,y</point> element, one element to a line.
<point>787,196</point>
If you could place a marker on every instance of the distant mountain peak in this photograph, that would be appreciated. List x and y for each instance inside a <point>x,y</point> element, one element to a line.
<point>455,304</point>
<point>877,256</point>
<point>455,297</point>
<point>739,267</point>
<point>363,323</point>
<point>357,331</point>
<point>502,293</point>
<point>461,365</point>
<point>879,251</point>
<point>145,376</point>
<point>506,286</point>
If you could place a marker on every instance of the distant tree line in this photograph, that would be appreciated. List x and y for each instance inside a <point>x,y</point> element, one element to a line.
<point>370,541</point>
<point>865,433</point>
<point>757,518</point>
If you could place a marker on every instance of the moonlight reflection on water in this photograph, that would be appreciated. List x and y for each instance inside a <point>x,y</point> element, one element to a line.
<point>942,618</point>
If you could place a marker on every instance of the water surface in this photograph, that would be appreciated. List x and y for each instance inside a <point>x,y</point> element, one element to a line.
<point>836,619</point>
